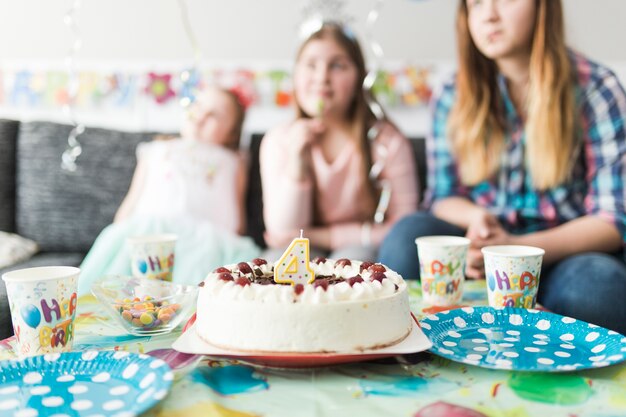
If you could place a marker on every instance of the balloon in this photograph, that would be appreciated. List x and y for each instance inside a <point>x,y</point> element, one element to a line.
<point>142,266</point>
<point>491,282</point>
<point>443,409</point>
<point>31,315</point>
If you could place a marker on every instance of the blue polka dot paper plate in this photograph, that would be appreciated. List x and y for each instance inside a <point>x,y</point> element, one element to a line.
<point>520,339</point>
<point>91,383</point>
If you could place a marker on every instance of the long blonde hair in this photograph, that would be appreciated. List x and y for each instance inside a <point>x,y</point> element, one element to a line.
<point>359,113</point>
<point>477,120</point>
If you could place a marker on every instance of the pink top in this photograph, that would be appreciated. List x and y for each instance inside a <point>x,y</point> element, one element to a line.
<point>288,204</point>
<point>192,179</point>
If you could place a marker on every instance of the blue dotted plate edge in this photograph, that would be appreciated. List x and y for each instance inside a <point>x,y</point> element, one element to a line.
<point>90,363</point>
<point>566,329</point>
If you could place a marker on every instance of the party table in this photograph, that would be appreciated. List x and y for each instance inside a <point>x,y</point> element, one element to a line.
<point>417,385</point>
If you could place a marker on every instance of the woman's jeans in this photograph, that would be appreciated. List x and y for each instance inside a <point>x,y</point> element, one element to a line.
<point>589,286</point>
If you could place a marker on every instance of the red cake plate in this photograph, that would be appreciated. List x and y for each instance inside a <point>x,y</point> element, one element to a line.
<point>190,342</point>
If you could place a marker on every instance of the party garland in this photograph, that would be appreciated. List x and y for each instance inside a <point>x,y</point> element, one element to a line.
<point>405,86</point>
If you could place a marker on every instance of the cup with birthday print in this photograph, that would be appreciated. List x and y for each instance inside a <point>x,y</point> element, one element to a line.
<point>442,268</point>
<point>512,273</point>
<point>43,307</point>
<point>152,256</point>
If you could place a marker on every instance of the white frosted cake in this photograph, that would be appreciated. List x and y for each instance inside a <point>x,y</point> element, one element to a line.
<point>351,306</point>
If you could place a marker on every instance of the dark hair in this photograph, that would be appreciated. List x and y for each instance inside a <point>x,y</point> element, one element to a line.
<point>239,117</point>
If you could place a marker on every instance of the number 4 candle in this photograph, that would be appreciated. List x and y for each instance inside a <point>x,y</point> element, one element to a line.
<point>293,266</point>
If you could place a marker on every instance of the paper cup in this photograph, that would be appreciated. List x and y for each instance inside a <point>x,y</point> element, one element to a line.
<point>442,268</point>
<point>152,256</point>
<point>512,274</point>
<point>43,307</point>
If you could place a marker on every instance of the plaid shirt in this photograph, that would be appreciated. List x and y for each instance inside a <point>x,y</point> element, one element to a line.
<point>596,186</point>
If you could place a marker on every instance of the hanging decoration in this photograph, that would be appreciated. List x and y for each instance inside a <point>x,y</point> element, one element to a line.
<point>375,65</point>
<point>159,87</point>
<point>23,92</point>
<point>316,12</point>
<point>401,86</point>
<point>369,84</point>
<point>281,87</point>
<point>190,83</point>
<point>74,149</point>
<point>190,77</point>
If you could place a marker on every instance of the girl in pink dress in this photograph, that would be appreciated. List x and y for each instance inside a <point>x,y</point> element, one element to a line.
<point>192,186</point>
<point>317,171</point>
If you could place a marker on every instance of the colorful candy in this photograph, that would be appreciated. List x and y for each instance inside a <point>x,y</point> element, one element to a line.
<point>146,313</point>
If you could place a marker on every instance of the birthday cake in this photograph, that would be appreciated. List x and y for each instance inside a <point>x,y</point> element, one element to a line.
<point>349,306</point>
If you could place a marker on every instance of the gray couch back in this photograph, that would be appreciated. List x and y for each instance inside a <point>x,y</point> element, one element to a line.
<point>64,211</point>
<point>8,135</point>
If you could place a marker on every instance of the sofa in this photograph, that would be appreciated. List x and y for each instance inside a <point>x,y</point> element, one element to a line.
<point>63,212</point>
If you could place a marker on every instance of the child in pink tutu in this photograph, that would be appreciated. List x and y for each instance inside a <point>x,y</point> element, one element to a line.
<point>192,186</point>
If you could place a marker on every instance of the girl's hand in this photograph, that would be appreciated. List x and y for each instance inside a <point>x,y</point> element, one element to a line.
<point>482,225</point>
<point>319,237</point>
<point>484,230</point>
<point>475,266</point>
<point>302,134</point>
<point>280,239</point>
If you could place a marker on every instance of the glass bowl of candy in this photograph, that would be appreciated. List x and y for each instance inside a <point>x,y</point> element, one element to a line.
<point>145,306</point>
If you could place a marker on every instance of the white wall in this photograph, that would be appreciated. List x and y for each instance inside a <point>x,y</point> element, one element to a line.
<point>150,32</point>
<point>139,30</point>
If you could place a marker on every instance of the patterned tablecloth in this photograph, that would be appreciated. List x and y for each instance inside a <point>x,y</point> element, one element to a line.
<point>416,385</point>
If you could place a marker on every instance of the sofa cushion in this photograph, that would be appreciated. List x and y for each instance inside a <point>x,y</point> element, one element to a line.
<point>65,211</point>
<point>8,135</point>
<point>48,259</point>
<point>15,248</point>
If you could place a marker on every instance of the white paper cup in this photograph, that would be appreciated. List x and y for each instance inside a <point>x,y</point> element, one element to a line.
<point>512,274</point>
<point>43,308</point>
<point>442,268</point>
<point>152,256</point>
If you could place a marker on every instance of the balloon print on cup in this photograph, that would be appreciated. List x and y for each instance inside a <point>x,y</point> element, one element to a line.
<point>152,256</point>
<point>442,268</point>
<point>512,273</point>
<point>43,308</point>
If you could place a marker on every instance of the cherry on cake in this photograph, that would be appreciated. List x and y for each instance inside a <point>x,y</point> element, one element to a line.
<point>351,306</point>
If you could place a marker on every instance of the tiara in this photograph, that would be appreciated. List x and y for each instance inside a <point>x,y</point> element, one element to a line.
<point>316,23</point>
<point>317,13</point>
